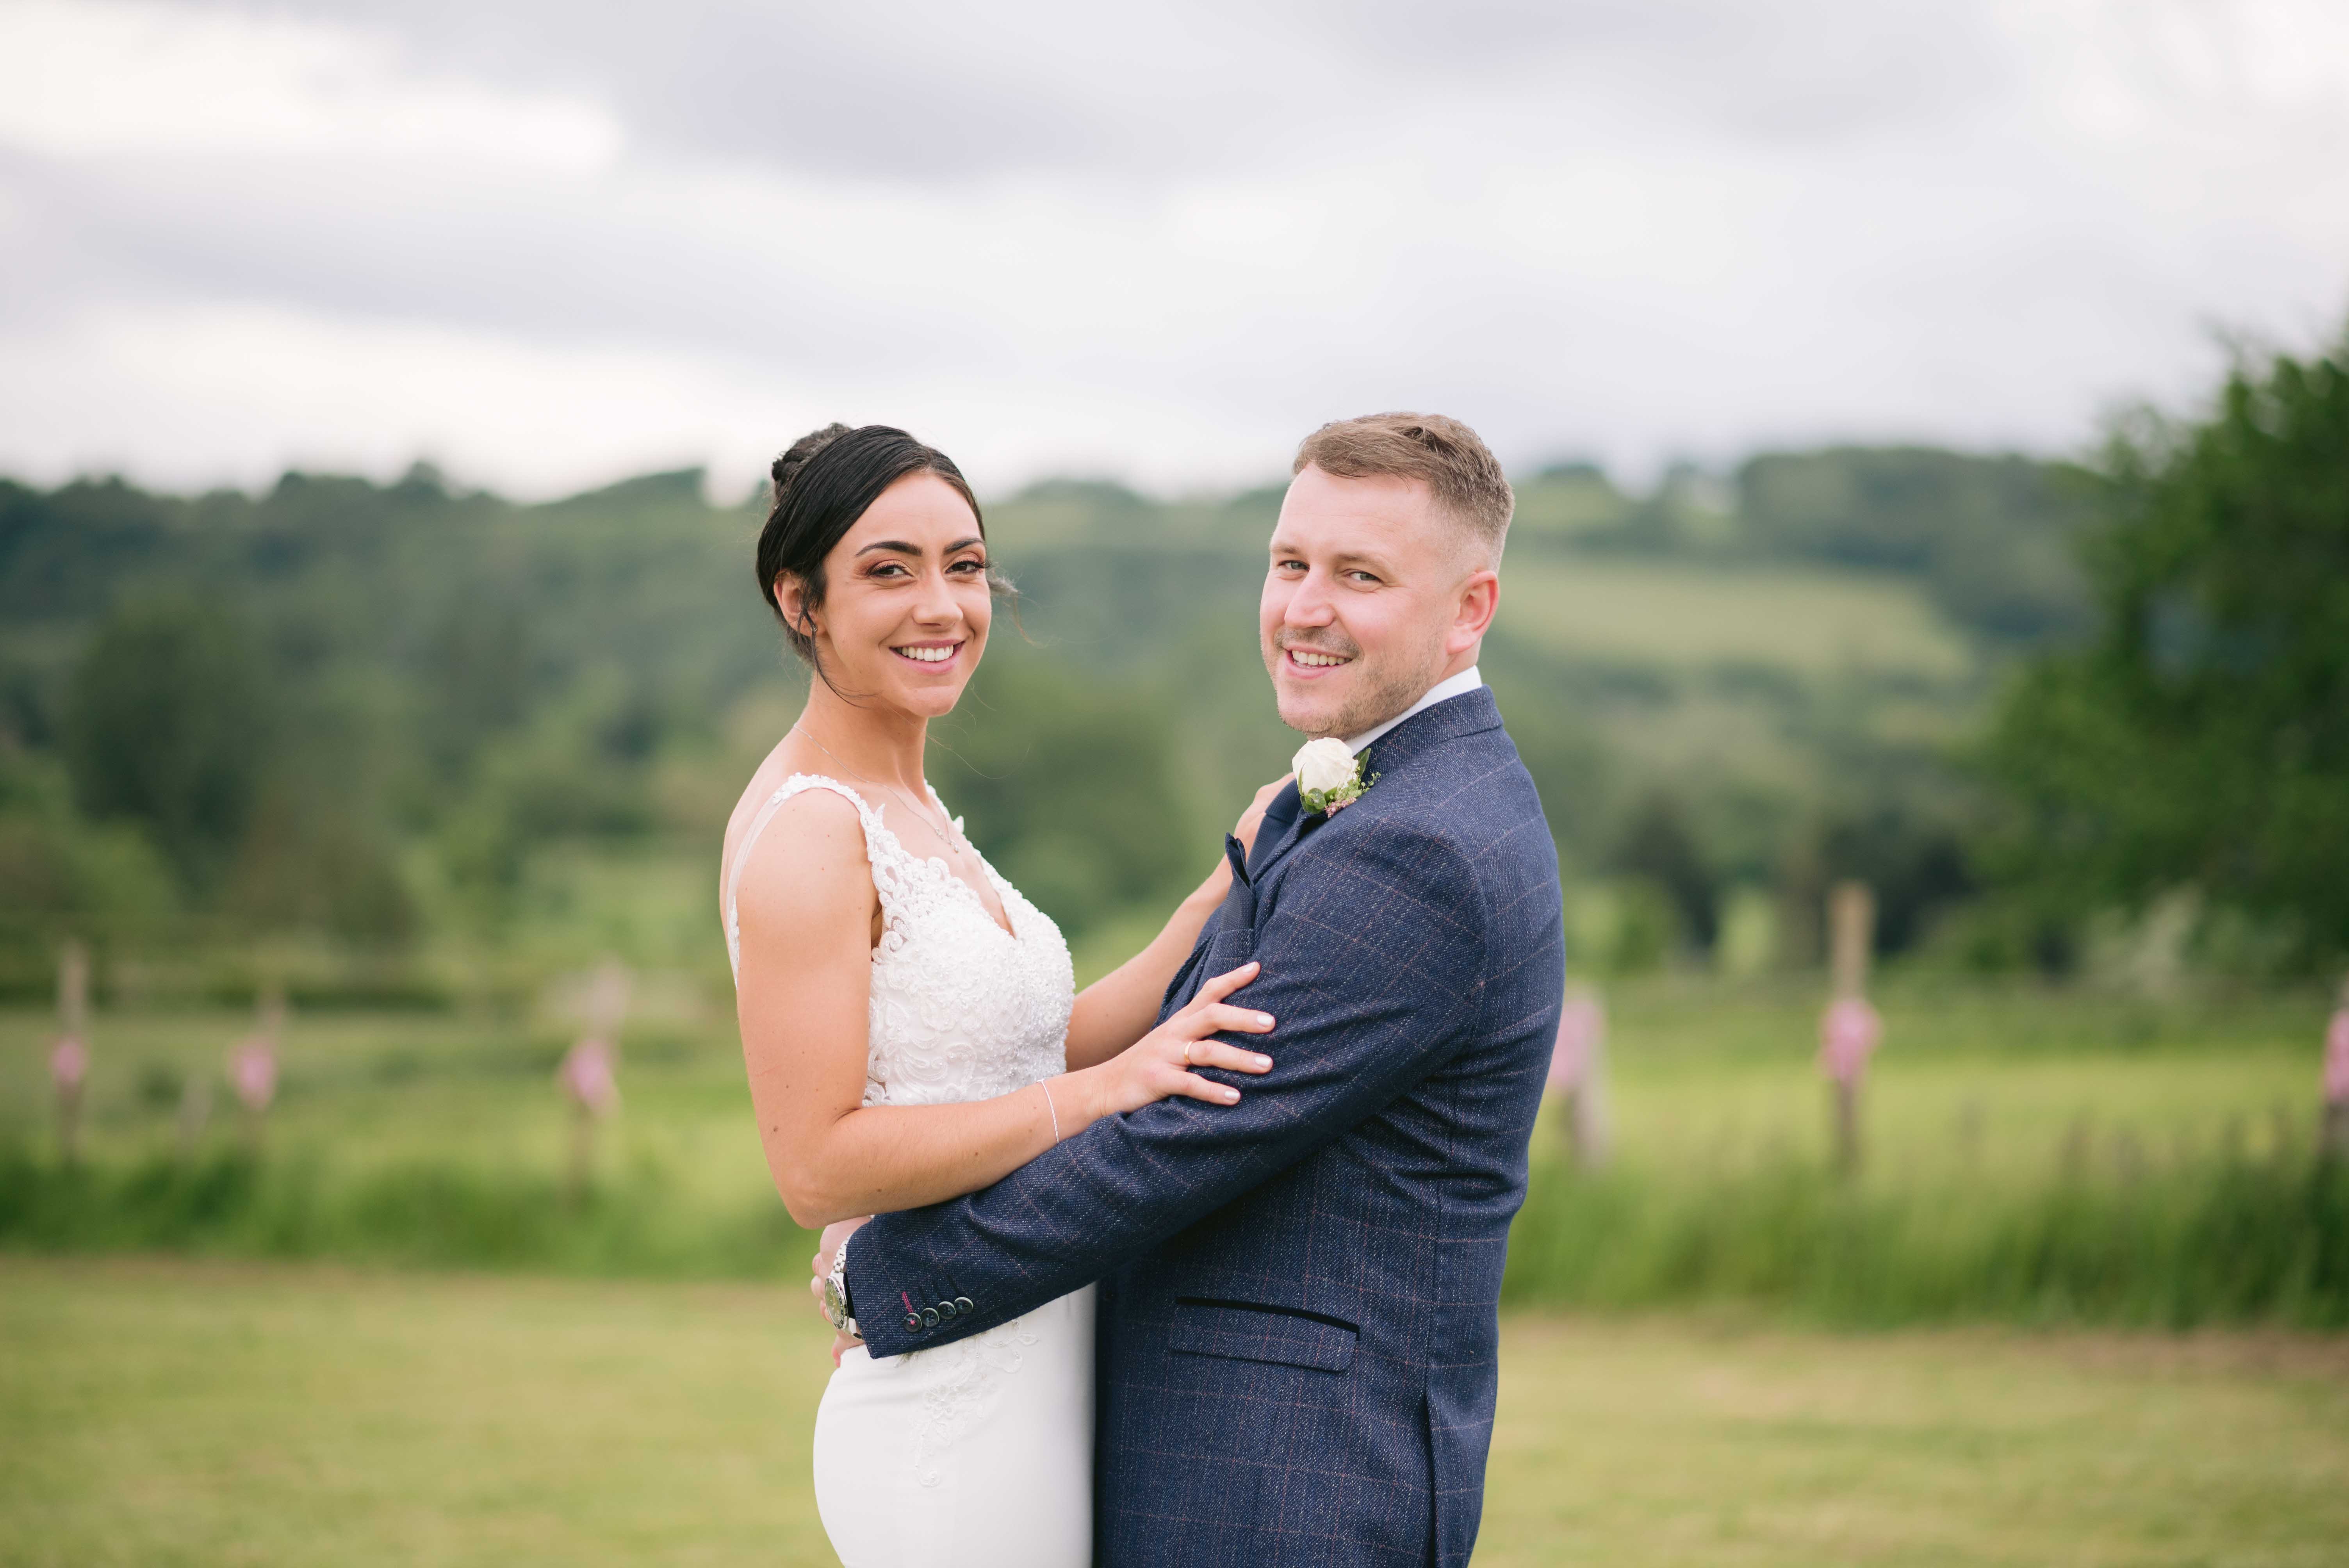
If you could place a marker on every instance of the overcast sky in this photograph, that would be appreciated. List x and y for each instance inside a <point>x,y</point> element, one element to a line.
<point>550,244</point>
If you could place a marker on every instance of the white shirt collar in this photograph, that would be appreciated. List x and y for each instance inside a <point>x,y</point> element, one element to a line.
<point>1445,690</point>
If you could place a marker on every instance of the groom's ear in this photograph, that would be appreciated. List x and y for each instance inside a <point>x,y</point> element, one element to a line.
<point>1479,597</point>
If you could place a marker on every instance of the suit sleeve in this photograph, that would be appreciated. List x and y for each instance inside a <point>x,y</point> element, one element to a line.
<point>1372,961</point>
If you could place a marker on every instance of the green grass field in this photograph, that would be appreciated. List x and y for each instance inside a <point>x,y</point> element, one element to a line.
<point>1989,1082</point>
<point>159,1413</point>
<point>2034,1157</point>
<point>1674,615</point>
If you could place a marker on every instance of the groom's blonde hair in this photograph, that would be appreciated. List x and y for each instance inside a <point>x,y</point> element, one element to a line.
<point>1459,470</point>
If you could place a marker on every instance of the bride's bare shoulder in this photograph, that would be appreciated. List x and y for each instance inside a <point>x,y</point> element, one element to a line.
<point>808,865</point>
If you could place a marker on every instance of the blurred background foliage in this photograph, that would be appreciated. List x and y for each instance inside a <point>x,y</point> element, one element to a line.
<point>409,742</point>
<point>418,757</point>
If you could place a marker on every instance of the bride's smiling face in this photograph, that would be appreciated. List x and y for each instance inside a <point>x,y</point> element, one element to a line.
<point>905,608</point>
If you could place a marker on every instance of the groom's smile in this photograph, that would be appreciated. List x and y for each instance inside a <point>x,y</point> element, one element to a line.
<point>1304,659</point>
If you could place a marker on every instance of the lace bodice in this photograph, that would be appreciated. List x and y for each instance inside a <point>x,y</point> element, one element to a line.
<point>961,1009</point>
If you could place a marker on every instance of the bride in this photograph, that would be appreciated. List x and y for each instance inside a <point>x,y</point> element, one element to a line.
<point>907,1017</point>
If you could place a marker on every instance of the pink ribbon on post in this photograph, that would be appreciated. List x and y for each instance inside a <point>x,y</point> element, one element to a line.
<point>1581,1025</point>
<point>252,1073</point>
<point>69,1064</point>
<point>588,1076</point>
<point>2336,1059</point>
<point>1848,1036</point>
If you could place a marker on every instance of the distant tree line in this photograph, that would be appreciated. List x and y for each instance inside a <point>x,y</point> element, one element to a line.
<point>361,713</point>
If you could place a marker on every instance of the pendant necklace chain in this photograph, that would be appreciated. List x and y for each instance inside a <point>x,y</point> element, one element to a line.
<point>945,836</point>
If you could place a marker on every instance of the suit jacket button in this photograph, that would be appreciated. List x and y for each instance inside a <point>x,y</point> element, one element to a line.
<point>913,1323</point>
<point>947,1311</point>
<point>929,1317</point>
<point>962,1304</point>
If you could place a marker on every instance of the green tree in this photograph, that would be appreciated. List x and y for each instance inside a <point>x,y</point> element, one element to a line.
<point>2202,738</point>
<point>166,726</point>
<point>1071,790</point>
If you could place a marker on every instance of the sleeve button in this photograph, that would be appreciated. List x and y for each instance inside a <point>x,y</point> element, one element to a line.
<point>947,1311</point>
<point>913,1323</point>
<point>963,1304</point>
<point>929,1317</point>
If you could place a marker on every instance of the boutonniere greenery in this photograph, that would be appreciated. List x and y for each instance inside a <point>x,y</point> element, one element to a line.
<point>1329,776</point>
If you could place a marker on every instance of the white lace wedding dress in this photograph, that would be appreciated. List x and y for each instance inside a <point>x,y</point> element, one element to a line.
<point>979,1453</point>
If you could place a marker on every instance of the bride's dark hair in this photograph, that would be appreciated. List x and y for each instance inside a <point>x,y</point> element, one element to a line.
<point>826,481</point>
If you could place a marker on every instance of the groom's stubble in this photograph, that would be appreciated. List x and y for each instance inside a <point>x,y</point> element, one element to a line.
<point>1386,685</point>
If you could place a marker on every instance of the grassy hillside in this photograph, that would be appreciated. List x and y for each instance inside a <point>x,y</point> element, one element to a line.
<point>1687,615</point>
<point>475,740</point>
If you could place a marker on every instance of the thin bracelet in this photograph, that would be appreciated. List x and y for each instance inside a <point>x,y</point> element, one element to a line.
<point>1050,1106</point>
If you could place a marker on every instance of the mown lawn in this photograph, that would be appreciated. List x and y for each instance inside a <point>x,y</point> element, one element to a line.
<point>159,1412</point>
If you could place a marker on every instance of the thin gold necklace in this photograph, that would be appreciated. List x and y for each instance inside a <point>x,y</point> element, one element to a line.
<point>945,837</point>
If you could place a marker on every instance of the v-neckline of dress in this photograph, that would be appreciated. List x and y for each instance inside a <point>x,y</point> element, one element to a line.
<point>1009,926</point>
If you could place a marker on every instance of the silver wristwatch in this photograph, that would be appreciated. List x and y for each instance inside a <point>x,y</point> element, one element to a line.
<point>835,1294</point>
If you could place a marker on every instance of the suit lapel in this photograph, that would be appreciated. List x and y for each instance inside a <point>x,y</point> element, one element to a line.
<point>1285,825</point>
<point>1283,821</point>
<point>1423,731</point>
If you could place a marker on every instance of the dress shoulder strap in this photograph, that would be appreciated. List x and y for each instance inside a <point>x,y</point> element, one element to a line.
<point>878,842</point>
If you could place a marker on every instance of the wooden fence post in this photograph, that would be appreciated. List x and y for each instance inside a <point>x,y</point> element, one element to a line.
<point>69,1054</point>
<point>1851,1030</point>
<point>253,1067</point>
<point>2335,1140</point>
<point>1577,1072</point>
<point>590,1070</point>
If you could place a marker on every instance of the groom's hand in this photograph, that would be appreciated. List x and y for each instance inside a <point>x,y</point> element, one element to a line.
<point>819,1266</point>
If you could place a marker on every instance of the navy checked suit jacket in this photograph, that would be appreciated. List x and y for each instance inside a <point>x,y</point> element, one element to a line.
<point>1299,1309</point>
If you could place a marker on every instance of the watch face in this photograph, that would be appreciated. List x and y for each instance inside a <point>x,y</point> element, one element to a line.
<point>834,1307</point>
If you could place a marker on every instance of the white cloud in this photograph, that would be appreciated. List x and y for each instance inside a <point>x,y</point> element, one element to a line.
<point>214,395</point>
<point>145,79</point>
<point>352,233</point>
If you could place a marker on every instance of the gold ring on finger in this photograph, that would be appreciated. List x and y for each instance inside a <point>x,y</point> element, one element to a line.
<point>1187,1055</point>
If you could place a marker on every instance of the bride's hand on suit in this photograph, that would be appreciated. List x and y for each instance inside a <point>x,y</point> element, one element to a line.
<point>1158,1065</point>
<point>1154,1067</point>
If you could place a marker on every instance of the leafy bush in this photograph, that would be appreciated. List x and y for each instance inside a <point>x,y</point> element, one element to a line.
<point>418,1214</point>
<point>2223,1241</point>
<point>2202,739</point>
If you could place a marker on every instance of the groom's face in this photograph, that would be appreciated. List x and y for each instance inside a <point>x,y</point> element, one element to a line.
<point>1363,600</point>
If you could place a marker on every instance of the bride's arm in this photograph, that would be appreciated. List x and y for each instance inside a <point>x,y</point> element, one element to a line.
<point>807,912</point>
<point>1118,1009</point>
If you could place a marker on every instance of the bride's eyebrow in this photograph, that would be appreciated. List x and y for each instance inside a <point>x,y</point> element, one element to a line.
<point>899,547</point>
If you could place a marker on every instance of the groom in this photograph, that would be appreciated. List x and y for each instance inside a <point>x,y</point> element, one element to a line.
<point>1298,1311</point>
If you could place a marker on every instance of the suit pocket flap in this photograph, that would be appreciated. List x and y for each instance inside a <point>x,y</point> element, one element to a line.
<point>1242,1331</point>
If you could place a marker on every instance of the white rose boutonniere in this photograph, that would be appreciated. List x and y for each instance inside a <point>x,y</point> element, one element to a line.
<point>1329,776</point>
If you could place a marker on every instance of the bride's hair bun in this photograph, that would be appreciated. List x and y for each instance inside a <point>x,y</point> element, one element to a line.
<point>787,467</point>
